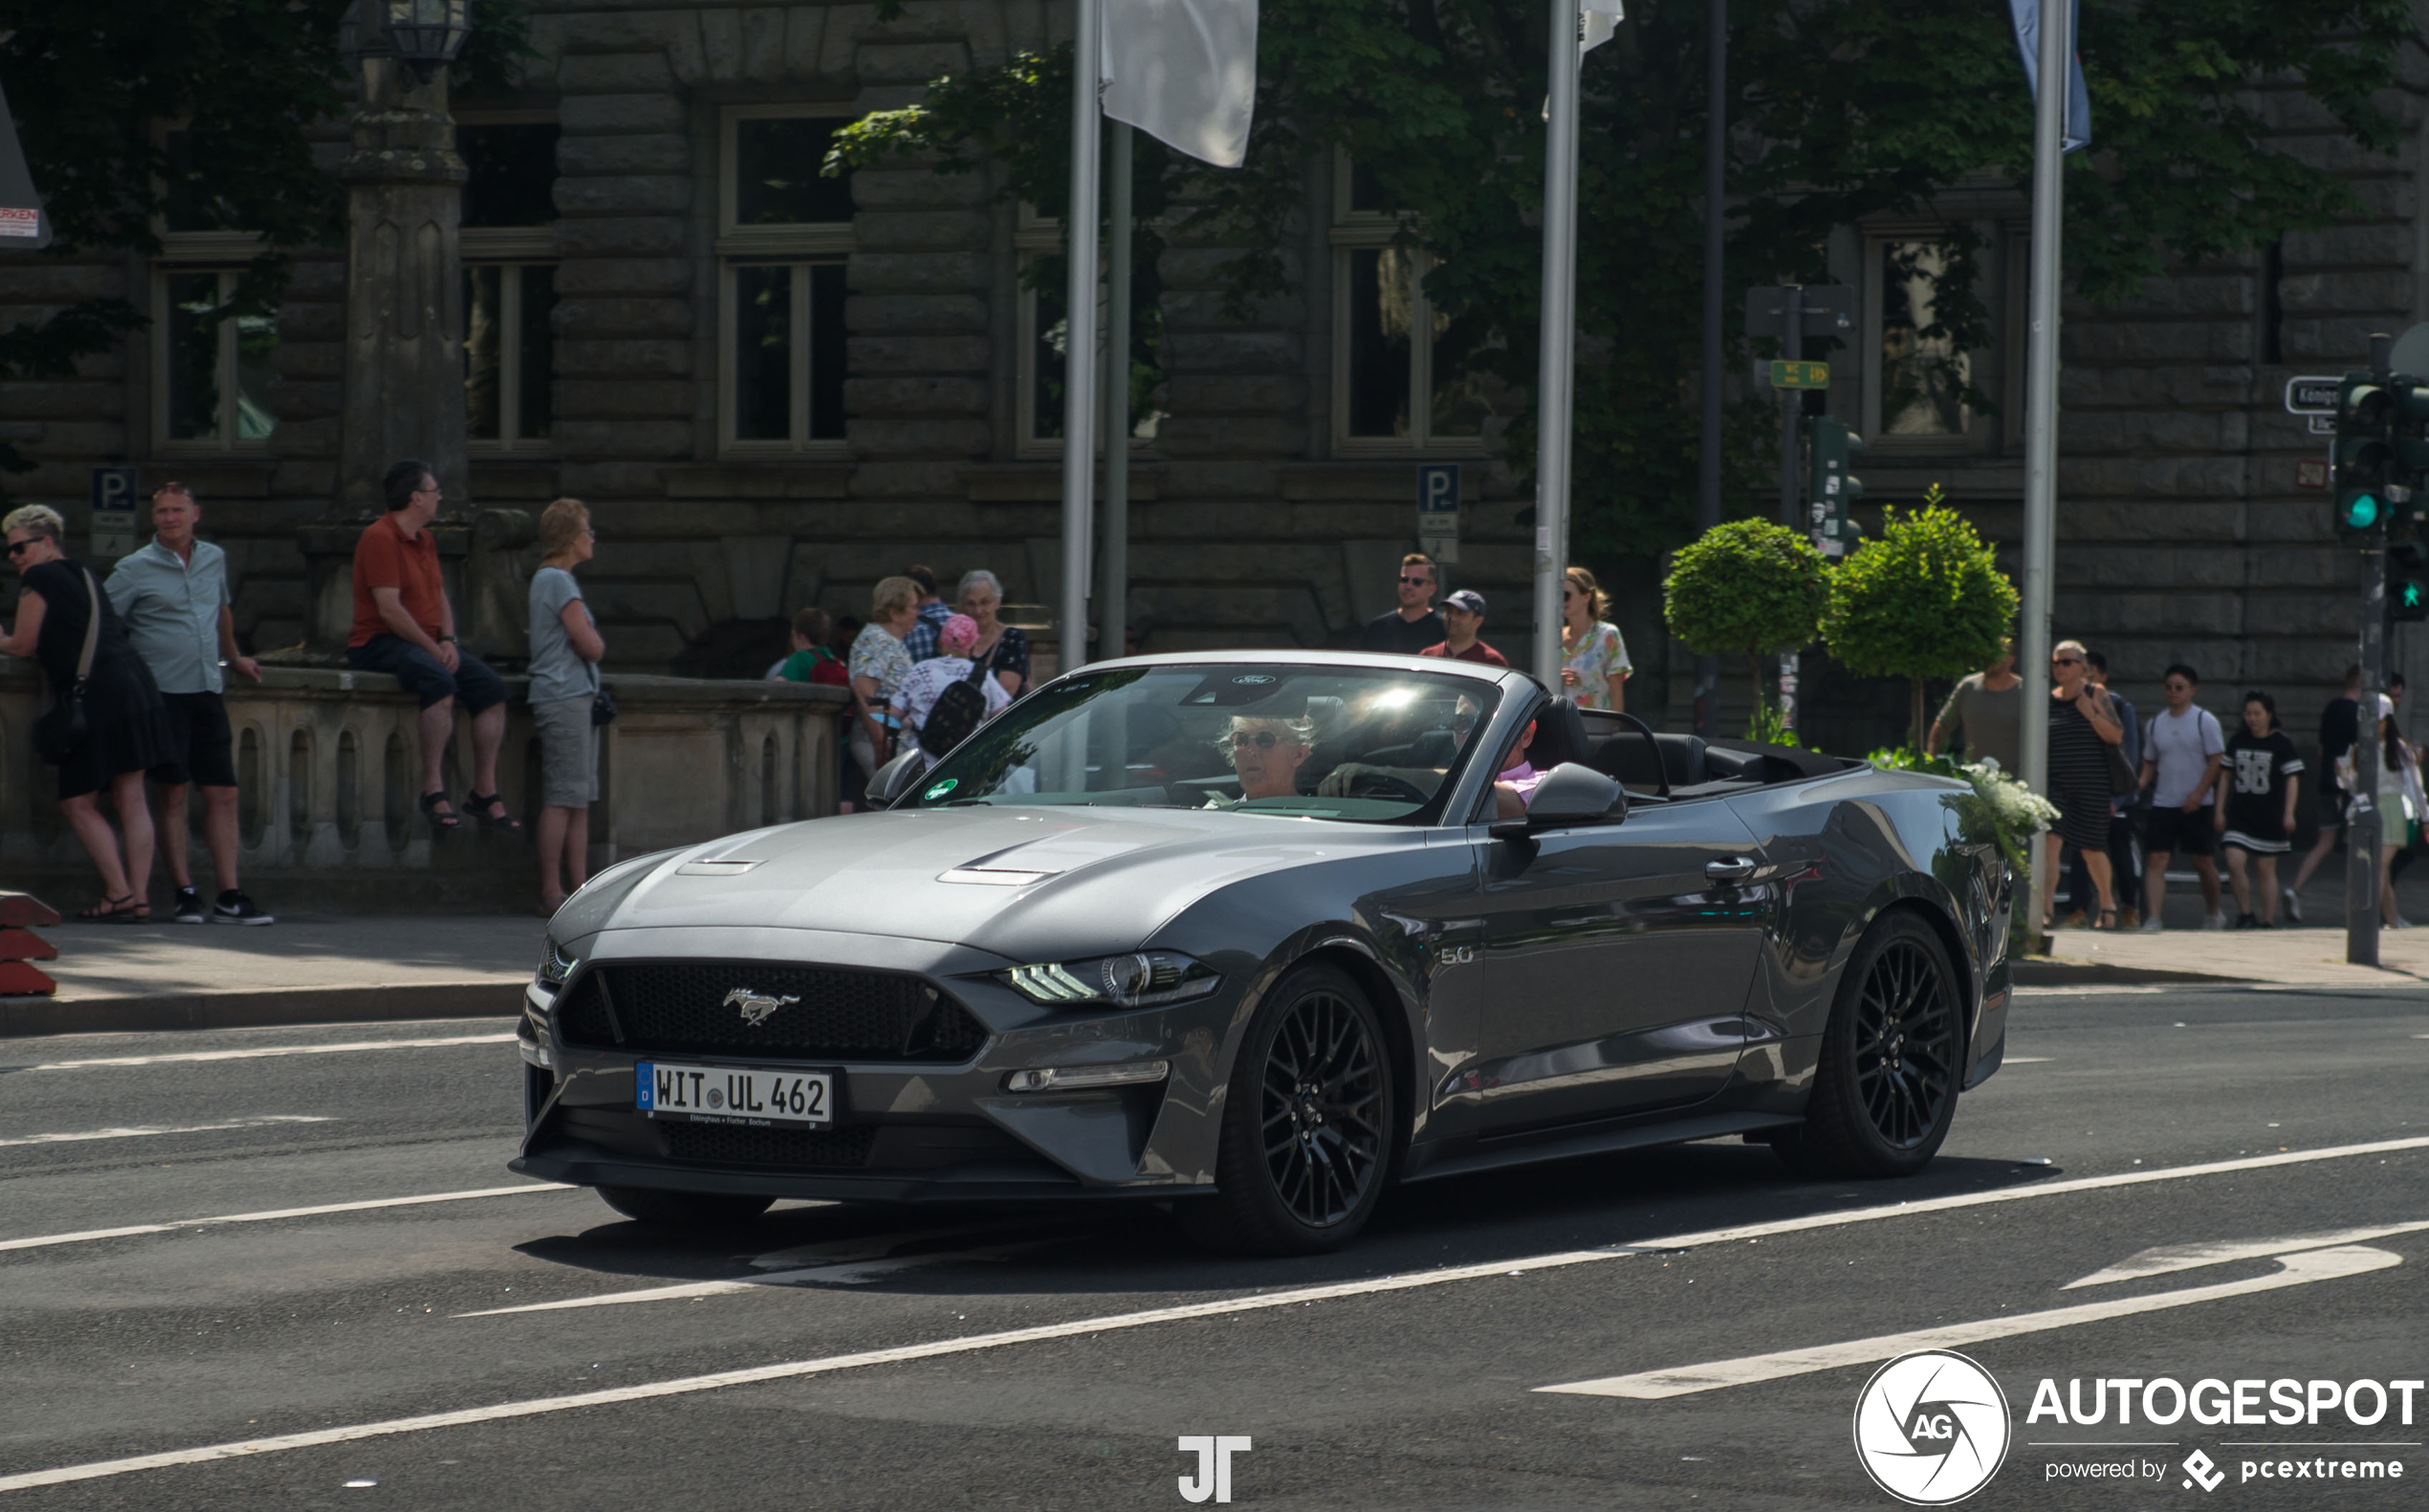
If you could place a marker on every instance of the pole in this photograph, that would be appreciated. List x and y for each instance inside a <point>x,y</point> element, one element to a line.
<point>1559,342</point>
<point>1715,192</point>
<point>1113,602</point>
<point>1791,425</point>
<point>1080,345</point>
<point>2041,414</point>
<point>2367,827</point>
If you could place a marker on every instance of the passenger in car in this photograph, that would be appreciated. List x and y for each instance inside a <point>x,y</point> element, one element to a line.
<point>1514,788</point>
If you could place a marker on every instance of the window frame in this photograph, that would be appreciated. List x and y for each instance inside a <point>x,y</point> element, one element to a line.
<point>188,260</point>
<point>806,238</point>
<point>1997,372</point>
<point>1355,231</point>
<point>800,247</point>
<point>1033,234</point>
<point>513,254</point>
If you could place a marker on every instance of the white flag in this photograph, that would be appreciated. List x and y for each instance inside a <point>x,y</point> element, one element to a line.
<point>1597,21</point>
<point>1184,72</point>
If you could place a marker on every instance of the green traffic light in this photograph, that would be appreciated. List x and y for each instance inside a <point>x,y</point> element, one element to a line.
<point>2361,512</point>
<point>2410,598</point>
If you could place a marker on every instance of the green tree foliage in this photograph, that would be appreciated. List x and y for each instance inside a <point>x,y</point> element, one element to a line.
<point>1747,588</point>
<point>1841,109</point>
<point>95,86</point>
<point>1926,599</point>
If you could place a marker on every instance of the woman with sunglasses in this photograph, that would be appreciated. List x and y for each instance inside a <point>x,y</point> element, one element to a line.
<point>1594,665</point>
<point>1266,754</point>
<point>126,722</point>
<point>2082,720</point>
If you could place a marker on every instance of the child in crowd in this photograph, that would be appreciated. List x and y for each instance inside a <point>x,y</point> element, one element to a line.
<point>2256,806</point>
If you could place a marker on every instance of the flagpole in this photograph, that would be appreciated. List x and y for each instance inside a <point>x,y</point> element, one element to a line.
<point>2041,409</point>
<point>1552,390</point>
<point>1080,327</point>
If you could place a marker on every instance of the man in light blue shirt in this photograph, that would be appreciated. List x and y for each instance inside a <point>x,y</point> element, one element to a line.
<point>173,596</point>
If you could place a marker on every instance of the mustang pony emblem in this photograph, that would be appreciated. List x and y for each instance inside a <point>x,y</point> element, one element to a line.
<point>755,1009</point>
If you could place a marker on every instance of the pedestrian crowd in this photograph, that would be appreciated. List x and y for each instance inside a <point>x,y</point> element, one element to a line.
<point>2136,793</point>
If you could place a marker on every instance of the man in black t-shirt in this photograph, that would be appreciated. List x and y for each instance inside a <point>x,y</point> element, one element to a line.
<point>2339,727</point>
<point>1414,625</point>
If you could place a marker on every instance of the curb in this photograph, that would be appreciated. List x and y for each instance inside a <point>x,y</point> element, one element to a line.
<point>478,997</point>
<point>2043,971</point>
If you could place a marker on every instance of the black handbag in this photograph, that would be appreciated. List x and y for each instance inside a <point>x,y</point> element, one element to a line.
<point>63,729</point>
<point>602,703</point>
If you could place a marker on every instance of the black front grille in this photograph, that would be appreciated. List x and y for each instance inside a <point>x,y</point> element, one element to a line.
<point>676,1009</point>
<point>729,1144</point>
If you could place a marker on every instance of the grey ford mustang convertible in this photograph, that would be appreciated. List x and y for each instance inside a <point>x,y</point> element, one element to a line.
<point>1256,935</point>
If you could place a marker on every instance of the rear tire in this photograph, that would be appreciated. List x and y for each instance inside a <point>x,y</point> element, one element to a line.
<point>682,1209</point>
<point>1308,1123</point>
<point>1885,1091</point>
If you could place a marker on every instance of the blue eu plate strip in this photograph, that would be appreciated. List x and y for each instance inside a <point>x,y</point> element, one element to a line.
<point>642,1087</point>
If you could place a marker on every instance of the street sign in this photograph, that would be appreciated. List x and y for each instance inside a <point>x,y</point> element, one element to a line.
<point>1800,375</point>
<point>2312,396</point>
<point>2321,425</point>
<point>1438,511</point>
<point>2310,473</point>
<point>113,513</point>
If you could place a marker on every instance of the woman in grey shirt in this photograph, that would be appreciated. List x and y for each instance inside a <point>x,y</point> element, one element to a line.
<point>565,651</point>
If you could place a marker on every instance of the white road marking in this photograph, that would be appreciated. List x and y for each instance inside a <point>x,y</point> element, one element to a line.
<point>88,1236</point>
<point>2294,1270</point>
<point>187,1128</point>
<point>2102,990</point>
<point>2027,1059</point>
<point>967,1344</point>
<point>2169,1257</point>
<point>856,1263</point>
<point>264,1052</point>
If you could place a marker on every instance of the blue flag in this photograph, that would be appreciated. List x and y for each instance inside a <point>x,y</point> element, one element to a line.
<point>2027,17</point>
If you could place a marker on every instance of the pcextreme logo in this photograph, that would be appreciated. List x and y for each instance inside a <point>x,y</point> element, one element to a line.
<point>1931,1427</point>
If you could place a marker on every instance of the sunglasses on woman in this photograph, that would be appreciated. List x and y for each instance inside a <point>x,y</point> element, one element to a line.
<point>16,546</point>
<point>1262,740</point>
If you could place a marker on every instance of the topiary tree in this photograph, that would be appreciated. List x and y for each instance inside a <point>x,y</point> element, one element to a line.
<point>1926,599</point>
<point>1747,588</point>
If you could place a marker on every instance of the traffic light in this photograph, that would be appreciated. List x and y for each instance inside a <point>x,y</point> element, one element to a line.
<point>2365,452</point>
<point>2407,584</point>
<point>1831,491</point>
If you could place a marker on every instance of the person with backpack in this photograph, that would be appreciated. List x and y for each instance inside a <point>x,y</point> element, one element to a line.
<point>948,695</point>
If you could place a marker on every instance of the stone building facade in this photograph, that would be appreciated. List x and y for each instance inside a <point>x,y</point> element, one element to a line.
<point>775,391</point>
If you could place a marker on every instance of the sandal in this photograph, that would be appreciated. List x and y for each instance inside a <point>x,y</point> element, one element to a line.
<point>480,804</point>
<point>2107,920</point>
<point>124,910</point>
<point>442,823</point>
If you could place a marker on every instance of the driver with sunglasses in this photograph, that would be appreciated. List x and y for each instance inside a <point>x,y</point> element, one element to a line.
<point>1266,754</point>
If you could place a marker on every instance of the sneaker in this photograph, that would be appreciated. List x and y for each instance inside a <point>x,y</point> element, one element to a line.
<point>2216,921</point>
<point>2292,905</point>
<point>190,907</point>
<point>2152,925</point>
<point>234,908</point>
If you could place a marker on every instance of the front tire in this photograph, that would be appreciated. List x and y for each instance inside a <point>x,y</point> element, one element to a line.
<point>682,1209</point>
<point>1885,1091</point>
<point>1308,1123</point>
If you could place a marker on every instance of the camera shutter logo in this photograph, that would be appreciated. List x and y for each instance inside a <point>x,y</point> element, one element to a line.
<point>1931,1427</point>
<point>755,1009</point>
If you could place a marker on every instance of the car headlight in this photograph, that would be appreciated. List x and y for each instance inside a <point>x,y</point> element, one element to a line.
<point>556,965</point>
<point>1141,979</point>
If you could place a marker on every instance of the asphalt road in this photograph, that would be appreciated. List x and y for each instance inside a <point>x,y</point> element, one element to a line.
<point>1404,1373</point>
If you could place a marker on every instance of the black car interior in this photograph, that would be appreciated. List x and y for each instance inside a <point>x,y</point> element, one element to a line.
<point>1667,764</point>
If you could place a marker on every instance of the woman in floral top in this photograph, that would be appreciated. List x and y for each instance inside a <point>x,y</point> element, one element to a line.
<point>1594,665</point>
<point>879,664</point>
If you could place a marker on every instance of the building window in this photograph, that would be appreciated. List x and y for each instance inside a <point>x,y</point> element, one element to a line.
<point>512,161</point>
<point>509,347</point>
<point>214,366</point>
<point>1918,376</point>
<point>1406,377</point>
<point>785,234</point>
<point>1044,340</point>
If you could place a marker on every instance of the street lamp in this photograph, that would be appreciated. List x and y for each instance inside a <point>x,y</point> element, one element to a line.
<point>425,35</point>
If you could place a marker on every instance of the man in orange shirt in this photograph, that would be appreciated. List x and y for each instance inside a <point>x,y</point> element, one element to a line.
<point>403,626</point>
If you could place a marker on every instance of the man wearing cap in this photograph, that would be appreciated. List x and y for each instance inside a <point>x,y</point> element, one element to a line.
<point>1462,617</point>
<point>173,597</point>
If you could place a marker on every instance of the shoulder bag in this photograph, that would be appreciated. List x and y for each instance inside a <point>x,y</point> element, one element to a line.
<point>2122,777</point>
<point>62,732</point>
<point>602,703</point>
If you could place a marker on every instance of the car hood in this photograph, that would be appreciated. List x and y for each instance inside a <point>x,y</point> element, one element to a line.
<point>1014,880</point>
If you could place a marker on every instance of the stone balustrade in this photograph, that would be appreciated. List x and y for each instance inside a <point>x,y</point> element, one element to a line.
<point>328,775</point>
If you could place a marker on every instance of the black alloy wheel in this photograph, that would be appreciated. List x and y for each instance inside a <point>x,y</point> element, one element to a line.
<point>682,1209</point>
<point>1885,1091</point>
<point>1308,1123</point>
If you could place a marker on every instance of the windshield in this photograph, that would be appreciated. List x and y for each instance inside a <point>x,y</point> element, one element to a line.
<point>1373,744</point>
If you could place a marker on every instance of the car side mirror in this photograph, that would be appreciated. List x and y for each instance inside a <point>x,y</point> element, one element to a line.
<point>897,776</point>
<point>1571,795</point>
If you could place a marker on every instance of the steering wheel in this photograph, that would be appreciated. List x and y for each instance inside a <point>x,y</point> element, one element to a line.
<point>1362,785</point>
<point>1661,768</point>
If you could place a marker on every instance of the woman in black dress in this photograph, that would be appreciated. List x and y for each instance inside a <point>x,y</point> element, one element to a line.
<point>2082,721</point>
<point>127,722</point>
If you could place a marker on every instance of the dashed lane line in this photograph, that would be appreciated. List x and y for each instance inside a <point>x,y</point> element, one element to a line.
<point>793,1369</point>
<point>88,1236</point>
<point>149,1131</point>
<point>265,1052</point>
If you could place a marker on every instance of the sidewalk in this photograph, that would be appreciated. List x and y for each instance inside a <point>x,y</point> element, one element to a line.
<point>326,970</point>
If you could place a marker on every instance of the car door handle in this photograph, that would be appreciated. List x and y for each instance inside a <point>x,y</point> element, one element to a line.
<point>1735,868</point>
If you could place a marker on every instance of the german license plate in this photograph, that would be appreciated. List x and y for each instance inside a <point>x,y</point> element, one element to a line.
<point>723,1094</point>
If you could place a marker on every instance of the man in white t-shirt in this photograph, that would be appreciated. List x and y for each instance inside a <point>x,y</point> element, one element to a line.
<point>2182,752</point>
